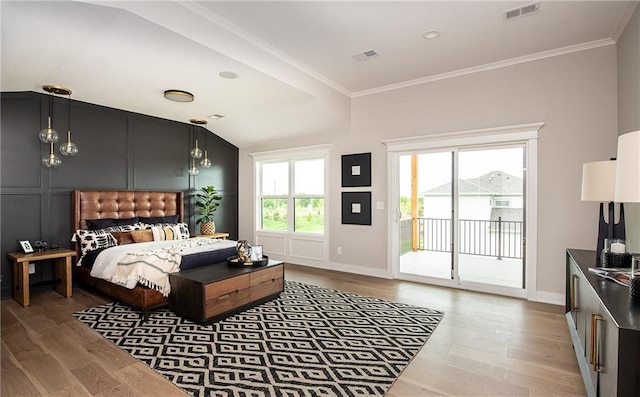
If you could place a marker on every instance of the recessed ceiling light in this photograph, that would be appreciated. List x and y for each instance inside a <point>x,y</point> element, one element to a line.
<point>215,116</point>
<point>228,75</point>
<point>432,34</point>
<point>178,96</point>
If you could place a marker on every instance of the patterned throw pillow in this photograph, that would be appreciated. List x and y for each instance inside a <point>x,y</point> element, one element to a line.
<point>125,228</point>
<point>183,227</point>
<point>166,233</point>
<point>90,240</point>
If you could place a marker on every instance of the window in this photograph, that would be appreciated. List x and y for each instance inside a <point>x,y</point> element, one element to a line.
<point>291,195</point>
<point>501,203</point>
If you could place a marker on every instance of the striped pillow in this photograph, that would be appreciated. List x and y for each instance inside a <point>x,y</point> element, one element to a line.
<point>166,233</point>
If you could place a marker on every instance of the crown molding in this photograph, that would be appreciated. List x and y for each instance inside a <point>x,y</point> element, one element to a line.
<point>489,66</point>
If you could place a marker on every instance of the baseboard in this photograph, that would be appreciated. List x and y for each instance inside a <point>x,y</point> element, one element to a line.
<point>343,267</point>
<point>553,298</point>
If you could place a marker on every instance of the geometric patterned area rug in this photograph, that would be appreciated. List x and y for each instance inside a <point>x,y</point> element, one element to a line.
<point>310,341</point>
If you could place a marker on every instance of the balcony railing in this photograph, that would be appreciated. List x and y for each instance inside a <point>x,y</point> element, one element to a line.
<point>501,239</point>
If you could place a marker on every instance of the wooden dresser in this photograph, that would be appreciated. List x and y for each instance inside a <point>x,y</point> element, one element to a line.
<point>208,293</point>
<point>604,322</point>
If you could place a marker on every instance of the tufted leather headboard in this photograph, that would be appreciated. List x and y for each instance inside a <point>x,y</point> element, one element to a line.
<point>97,204</point>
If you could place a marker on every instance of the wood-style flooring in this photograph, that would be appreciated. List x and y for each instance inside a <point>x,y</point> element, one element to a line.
<point>486,345</point>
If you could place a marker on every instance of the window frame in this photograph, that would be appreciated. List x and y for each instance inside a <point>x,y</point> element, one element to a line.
<point>290,156</point>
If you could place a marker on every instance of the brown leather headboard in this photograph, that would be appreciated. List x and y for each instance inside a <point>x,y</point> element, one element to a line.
<point>98,204</point>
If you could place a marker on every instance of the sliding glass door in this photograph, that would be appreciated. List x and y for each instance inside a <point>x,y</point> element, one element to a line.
<point>462,216</point>
<point>426,206</point>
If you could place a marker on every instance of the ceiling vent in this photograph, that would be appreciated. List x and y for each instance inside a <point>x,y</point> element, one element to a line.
<point>514,13</point>
<point>363,56</point>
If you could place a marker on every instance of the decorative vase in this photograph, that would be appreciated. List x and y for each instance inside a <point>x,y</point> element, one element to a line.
<point>207,228</point>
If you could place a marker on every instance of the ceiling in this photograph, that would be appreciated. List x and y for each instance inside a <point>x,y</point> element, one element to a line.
<point>297,74</point>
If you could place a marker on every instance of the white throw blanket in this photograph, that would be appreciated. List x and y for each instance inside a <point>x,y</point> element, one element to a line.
<point>151,268</point>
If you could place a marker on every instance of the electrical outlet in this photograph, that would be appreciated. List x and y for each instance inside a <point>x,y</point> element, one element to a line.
<point>339,250</point>
<point>32,268</point>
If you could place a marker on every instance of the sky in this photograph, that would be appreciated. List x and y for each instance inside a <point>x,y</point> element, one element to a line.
<point>472,163</point>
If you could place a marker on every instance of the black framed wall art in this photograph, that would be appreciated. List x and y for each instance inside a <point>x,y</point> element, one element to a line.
<point>356,208</point>
<point>356,170</point>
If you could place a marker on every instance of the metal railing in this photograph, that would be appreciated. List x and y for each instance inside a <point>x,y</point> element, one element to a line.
<point>501,239</point>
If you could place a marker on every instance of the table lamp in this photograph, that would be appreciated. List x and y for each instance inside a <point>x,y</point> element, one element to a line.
<point>627,188</point>
<point>598,184</point>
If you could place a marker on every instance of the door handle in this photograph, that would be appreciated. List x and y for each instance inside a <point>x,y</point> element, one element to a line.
<point>594,356</point>
<point>574,308</point>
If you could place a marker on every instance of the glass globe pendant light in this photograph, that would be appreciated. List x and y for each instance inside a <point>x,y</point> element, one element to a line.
<point>49,135</point>
<point>196,152</point>
<point>193,171</point>
<point>51,160</point>
<point>69,148</point>
<point>205,162</point>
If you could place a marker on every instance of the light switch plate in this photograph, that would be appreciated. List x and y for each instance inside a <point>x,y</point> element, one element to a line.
<point>32,268</point>
<point>380,205</point>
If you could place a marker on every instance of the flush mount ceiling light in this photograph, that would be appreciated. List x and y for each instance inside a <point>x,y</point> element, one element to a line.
<point>228,75</point>
<point>178,96</point>
<point>198,121</point>
<point>215,116</point>
<point>432,34</point>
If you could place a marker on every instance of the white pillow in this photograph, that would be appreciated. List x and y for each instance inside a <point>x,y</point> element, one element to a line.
<point>172,232</point>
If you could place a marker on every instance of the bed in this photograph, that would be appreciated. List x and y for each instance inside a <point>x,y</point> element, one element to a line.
<point>95,208</point>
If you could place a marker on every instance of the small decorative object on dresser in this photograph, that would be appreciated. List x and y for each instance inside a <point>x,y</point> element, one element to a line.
<point>25,246</point>
<point>634,280</point>
<point>207,201</point>
<point>243,248</point>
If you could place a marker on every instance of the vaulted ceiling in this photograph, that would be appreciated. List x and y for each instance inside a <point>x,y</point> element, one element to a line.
<point>294,60</point>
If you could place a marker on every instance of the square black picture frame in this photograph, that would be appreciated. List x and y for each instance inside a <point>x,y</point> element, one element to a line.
<point>356,208</point>
<point>25,246</point>
<point>356,170</point>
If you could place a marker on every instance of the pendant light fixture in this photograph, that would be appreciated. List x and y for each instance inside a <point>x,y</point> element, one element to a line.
<point>69,148</point>
<point>196,152</point>
<point>193,171</point>
<point>205,162</point>
<point>49,135</point>
<point>51,160</point>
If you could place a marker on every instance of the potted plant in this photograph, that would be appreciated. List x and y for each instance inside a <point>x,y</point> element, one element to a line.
<point>207,200</point>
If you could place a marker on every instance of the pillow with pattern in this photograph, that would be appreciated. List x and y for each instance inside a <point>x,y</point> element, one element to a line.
<point>90,240</point>
<point>161,233</point>
<point>125,228</point>
<point>182,227</point>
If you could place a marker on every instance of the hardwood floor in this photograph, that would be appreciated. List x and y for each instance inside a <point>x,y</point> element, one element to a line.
<point>486,345</point>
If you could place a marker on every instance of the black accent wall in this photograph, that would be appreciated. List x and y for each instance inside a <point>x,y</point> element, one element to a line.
<point>118,150</point>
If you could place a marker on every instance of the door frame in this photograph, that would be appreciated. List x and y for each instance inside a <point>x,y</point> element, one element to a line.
<point>526,134</point>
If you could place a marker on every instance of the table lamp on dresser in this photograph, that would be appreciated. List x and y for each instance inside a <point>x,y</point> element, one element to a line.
<point>598,184</point>
<point>628,189</point>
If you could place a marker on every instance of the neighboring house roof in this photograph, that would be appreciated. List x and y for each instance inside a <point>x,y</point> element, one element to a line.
<point>490,184</point>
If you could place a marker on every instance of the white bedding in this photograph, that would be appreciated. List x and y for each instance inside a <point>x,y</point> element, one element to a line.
<point>106,261</point>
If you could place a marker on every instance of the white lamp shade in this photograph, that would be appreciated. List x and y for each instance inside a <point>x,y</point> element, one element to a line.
<point>628,168</point>
<point>599,181</point>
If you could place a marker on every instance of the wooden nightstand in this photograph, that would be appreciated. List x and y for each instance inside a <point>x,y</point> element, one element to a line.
<point>21,262</point>
<point>222,236</point>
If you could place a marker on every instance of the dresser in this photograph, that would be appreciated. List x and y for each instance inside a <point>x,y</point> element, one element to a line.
<point>604,322</point>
